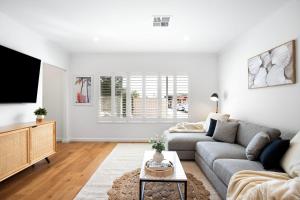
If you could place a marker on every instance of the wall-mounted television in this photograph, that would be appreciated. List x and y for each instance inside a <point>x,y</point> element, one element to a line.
<point>19,77</point>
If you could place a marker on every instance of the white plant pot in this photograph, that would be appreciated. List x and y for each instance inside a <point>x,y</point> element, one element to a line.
<point>40,118</point>
<point>158,157</point>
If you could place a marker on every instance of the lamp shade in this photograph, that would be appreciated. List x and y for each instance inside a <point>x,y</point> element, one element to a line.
<point>214,97</point>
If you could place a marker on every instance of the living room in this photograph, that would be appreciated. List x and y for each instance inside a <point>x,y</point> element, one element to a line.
<point>203,90</point>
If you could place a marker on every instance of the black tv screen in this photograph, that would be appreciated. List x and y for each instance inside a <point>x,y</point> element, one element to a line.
<point>19,77</point>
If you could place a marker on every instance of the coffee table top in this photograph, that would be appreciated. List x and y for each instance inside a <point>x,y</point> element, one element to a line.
<point>178,175</point>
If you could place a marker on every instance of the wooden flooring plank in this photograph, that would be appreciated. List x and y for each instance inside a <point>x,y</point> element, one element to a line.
<point>69,170</point>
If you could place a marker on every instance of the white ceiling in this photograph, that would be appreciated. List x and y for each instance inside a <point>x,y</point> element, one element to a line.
<point>126,25</point>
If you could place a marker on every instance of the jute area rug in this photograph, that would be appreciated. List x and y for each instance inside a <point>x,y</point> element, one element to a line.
<point>125,158</point>
<point>127,187</point>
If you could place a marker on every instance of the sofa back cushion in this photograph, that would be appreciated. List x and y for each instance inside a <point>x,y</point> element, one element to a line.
<point>246,131</point>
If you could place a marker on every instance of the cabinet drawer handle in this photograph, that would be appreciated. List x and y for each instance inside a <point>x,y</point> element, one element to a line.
<point>33,126</point>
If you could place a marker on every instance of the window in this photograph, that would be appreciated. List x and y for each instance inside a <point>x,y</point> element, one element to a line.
<point>136,97</point>
<point>143,98</point>
<point>120,96</point>
<point>105,96</point>
<point>168,110</point>
<point>182,96</point>
<point>151,97</point>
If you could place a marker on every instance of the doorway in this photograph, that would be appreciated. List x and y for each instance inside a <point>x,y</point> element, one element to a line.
<point>54,93</point>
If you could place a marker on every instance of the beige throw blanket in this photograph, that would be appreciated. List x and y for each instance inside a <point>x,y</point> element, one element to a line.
<point>262,185</point>
<point>187,127</point>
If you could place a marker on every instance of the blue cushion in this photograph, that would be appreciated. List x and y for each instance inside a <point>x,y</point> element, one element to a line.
<point>272,154</point>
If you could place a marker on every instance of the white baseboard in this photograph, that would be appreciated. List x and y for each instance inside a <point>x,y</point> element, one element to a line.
<point>108,140</point>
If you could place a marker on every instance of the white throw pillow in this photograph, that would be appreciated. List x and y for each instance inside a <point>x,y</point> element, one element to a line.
<point>216,116</point>
<point>291,159</point>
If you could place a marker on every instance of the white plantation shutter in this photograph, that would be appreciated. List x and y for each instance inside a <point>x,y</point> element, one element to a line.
<point>167,94</point>
<point>151,97</point>
<point>105,103</point>
<point>182,90</point>
<point>137,96</point>
<point>142,98</point>
<point>120,96</point>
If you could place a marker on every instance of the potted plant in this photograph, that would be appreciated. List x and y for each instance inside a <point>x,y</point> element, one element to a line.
<point>40,114</point>
<point>158,143</point>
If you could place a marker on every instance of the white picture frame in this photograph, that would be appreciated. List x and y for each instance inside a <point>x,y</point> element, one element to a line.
<point>83,90</point>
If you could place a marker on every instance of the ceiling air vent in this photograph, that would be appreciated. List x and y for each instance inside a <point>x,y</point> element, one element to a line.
<point>161,21</point>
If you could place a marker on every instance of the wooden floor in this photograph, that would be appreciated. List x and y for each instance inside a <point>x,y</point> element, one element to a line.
<point>69,170</point>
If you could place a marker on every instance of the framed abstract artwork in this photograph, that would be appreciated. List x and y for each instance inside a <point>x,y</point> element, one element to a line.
<point>274,67</point>
<point>83,90</point>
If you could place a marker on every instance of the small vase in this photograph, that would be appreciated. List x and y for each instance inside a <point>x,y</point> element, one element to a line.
<point>158,157</point>
<point>40,118</point>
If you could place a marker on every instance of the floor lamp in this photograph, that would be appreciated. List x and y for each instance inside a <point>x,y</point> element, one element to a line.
<point>215,97</point>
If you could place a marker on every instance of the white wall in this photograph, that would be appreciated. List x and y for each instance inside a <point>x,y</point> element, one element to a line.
<point>20,38</point>
<point>83,119</point>
<point>275,106</point>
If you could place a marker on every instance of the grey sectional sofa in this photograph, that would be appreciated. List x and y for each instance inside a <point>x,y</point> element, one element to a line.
<point>219,160</point>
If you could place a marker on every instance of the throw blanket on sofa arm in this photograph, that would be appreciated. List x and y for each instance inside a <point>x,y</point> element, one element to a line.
<point>186,127</point>
<point>252,185</point>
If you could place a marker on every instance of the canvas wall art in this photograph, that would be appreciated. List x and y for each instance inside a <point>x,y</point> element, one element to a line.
<point>83,90</point>
<point>274,67</point>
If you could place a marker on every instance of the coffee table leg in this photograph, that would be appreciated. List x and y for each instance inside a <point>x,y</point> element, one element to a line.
<point>185,190</point>
<point>179,190</point>
<point>142,188</point>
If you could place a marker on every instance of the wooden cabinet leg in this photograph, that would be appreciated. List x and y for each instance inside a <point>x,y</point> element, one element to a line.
<point>47,159</point>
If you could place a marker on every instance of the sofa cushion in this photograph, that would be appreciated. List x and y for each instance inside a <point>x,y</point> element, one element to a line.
<point>185,141</point>
<point>210,151</point>
<point>246,131</point>
<point>256,145</point>
<point>225,168</point>
<point>291,159</point>
<point>225,131</point>
<point>272,154</point>
<point>212,127</point>
<point>216,116</point>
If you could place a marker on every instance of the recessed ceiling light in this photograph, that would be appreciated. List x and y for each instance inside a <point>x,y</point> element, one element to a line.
<point>186,38</point>
<point>96,39</point>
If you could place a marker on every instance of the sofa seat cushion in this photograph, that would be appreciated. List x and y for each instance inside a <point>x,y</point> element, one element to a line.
<point>225,168</point>
<point>185,141</point>
<point>210,151</point>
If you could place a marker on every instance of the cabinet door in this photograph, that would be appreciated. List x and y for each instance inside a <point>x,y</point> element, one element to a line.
<point>14,152</point>
<point>42,141</point>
